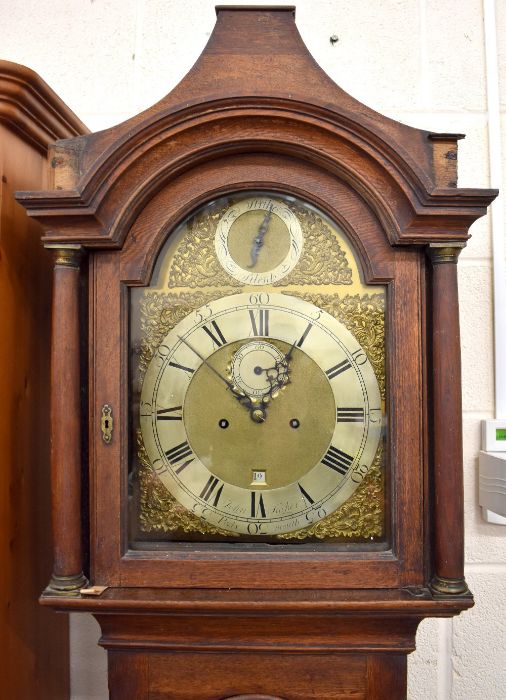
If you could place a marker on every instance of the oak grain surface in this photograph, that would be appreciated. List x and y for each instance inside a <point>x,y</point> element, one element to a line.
<point>201,623</point>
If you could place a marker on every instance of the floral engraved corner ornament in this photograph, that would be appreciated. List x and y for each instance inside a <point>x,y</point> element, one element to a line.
<point>196,265</point>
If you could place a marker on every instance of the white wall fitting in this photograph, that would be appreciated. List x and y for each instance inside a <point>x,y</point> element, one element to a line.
<point>434,64</point>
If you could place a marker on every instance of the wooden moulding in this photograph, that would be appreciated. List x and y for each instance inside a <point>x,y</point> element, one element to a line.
<point>29,106</point>
<point>445,155</point>
<point>245,95</point>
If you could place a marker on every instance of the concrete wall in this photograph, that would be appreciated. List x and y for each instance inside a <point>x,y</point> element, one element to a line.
<point>418,61</point>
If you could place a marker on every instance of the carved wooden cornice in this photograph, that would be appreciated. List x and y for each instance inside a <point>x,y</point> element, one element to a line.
<point>108,177</point>
<point>29,106</point>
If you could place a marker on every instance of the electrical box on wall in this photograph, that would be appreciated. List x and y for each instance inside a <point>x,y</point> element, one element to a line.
<point>493,435</point>
<point>492,471</point>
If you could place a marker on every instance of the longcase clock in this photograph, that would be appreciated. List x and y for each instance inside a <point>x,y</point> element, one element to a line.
<point>260,386</point>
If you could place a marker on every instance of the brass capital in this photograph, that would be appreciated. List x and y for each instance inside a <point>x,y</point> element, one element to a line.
<point>444,252</point>
<point>66,255</point>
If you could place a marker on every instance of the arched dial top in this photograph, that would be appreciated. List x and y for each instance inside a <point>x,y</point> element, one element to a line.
<point>260,413</point>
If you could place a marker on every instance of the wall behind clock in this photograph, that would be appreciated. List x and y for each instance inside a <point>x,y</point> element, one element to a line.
<point>419,61</point>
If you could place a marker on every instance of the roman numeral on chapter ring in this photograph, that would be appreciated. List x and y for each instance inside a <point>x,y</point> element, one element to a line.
<point>174,413</point>
<point>304,335</point>
<point>305,494</point>
<point>209,489</point>
<point>337,460</point>
<point>216,335</point>
<point>262,328</point>
<point>350,415</point>
<point>338,369</point>
<point>178,454</point>
<point>257,505</point>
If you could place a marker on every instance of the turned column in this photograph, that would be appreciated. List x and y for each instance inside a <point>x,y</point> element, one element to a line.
<point>68,575</point>
<point>448,510</point>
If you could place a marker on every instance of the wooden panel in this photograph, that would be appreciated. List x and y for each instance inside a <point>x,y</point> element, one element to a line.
<point>294,677</point>
<point>128,675</point>
<point>105,459</point>
<point>33,641</point>
<point>261,633</point>
<point>257,676</point>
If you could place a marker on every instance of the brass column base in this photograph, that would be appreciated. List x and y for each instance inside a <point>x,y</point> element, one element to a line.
<point>448,586</point>
<point>65,585</point>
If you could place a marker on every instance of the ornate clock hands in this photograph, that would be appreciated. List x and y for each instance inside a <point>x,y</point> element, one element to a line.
<point>260,384</point>
<point>259,238</point>
<point>282,372</point>
<point>257,411</point>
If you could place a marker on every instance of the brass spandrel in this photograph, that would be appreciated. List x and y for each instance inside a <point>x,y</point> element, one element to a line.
<point>361,517</point>
<point>194,264</point>
<point>364,316</point>
<point>324,259</point>
<point>159,511</point>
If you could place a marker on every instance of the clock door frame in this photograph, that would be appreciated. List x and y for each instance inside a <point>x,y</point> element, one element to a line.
<point>257,566</point>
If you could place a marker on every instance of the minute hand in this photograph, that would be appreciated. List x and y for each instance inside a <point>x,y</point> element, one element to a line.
<point>257,414</point>
<point>220,376</point>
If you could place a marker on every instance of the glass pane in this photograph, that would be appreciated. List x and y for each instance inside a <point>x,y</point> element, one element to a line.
<point>257,383</point>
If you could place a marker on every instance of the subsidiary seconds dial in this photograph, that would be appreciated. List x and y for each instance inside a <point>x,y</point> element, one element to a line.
<point>258,240</point>
<point>260,413</point>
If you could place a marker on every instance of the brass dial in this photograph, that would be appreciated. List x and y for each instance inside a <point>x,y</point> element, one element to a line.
<point>320,409</point>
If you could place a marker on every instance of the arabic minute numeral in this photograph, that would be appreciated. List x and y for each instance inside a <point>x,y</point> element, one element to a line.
<point>359,472</point>
<point>375,415</point>
<point>259,298</point>
<point>359,357</point>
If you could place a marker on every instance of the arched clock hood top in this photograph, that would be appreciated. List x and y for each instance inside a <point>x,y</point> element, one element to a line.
<point>256,88</point>
<point>259,53</point>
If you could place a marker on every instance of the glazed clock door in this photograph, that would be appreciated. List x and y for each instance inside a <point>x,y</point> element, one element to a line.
<point>255,407</point>
<point>255,387</point>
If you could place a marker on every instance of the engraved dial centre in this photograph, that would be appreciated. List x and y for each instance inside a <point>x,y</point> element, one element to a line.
<point>273,447</point>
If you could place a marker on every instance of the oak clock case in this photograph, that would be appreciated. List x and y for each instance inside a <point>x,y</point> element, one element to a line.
<point>257,383</point>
